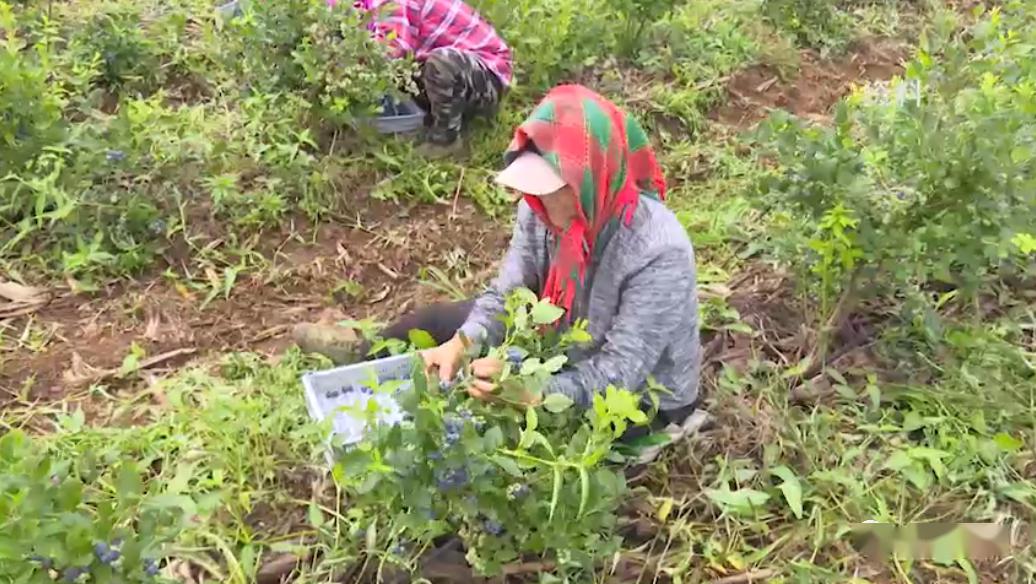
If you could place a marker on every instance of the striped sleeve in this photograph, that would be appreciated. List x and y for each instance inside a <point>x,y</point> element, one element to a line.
<point>521,267</point>
<point>397,24</point>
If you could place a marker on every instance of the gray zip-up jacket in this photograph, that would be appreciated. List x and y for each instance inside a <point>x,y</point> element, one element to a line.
<point>641,305</point>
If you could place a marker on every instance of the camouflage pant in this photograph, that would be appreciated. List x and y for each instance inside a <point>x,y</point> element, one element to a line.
<point>454,87</point>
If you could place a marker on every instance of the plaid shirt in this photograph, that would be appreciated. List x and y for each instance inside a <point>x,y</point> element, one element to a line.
<point>419,27</point>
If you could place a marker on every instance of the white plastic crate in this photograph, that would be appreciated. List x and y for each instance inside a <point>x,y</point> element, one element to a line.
<point>328,392</point>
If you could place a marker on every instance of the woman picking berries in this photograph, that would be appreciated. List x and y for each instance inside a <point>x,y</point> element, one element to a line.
<point>465,65</point>
<point>593,236</point>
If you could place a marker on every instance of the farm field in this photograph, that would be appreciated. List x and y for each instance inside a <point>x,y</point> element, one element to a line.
<point>178,191</point>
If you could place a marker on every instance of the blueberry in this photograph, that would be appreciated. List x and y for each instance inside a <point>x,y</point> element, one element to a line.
<point>150,567</point>
<point>111,557</point>
<point>517,491</point>
<point>115,156</point>
<point>493,527</point>
<point>450,439</point>
<point>157,227</point>
<point>453,479</point>
<point>435,455</point>
<point>72,574</point>
<point>101,549</point>
<point>454,425</point>
<point>399,549</point>
<point>44,562</point>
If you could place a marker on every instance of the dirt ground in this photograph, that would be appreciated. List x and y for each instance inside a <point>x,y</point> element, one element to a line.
<point>818,85</point>
<point>382,249</point>
<point>379,256</point>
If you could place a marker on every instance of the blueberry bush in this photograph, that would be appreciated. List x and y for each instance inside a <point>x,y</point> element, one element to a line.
<point>85,519</point>
<point>510,480</point>
<point>112,121</point>
<point>920,186</point>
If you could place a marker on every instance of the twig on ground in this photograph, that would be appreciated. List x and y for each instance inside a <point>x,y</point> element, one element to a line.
<point>274,331</point>
<point>277,569</point>
<point>529,568</point>
<point>816,387</point>
<point>83,373</point>
<point>387,271</point>
<point>456,194</point>
<point>750,576</point>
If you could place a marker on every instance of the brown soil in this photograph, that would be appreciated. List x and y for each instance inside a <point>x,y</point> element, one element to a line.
<point>818,84</point>
<point>381,255</point>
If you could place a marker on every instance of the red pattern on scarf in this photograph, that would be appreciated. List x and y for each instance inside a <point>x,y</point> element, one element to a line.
<point>569,136</point>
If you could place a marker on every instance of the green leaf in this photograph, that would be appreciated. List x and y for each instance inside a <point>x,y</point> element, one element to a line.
<point>128,484</point>
<point>546,313</point>
<point>556,403</point>
<point>508,465</point>
<point>529,432</point>
<point>524,296</point>
<point>182,503</point>
<point>493,438</point>
<point>791,488</point>
<point>180,482</point>
<point>372,535</point>
<point>540,439</point>
<point>798,370</point>
<point>649,440</point>
<point>625,404</point>
<point>531,420</point>
<point>1008,443</point>
<point>554,364</point>
<point>289,547</point>
<point>70,494</point>
<point>912,421</point>
<point>898,461</point>
<point>421,339</point>
<point>531,367</point>
<point>1022,492</point>
<point>579,336</point>
<point>743,501</point>
<point>316,516</point>
<point>584,489</point>
<point>556,495</point>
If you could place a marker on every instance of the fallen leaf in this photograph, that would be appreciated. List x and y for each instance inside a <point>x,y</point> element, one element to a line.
<point>80,372</point>
<point>380,296</point>
<point>18,293</point>
<point>154,322</point>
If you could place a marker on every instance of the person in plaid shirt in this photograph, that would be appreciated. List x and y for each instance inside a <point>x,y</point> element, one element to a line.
<point>465,66</point>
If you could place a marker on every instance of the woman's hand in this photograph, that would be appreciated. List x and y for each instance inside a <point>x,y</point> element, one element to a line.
<point>484,370</point>
<point>483,388</point>
<point>446,358</point>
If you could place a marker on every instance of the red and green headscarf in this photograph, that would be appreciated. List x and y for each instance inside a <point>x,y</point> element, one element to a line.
<point>604,155</point>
